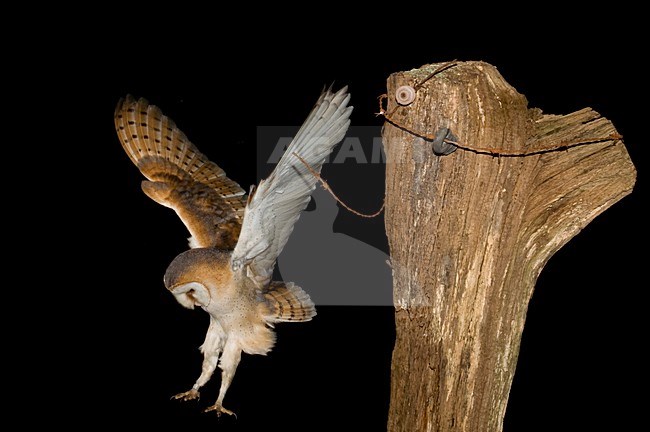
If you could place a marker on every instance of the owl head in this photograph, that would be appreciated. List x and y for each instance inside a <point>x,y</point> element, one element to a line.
<point>197,276</point>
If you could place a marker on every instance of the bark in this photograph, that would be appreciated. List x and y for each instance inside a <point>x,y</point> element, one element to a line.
<point>469,234</point>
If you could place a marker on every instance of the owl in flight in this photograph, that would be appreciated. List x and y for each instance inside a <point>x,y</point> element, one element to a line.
<point>235,240</point>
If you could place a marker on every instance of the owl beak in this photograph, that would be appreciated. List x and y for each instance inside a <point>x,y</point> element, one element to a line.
<point>191,294</point>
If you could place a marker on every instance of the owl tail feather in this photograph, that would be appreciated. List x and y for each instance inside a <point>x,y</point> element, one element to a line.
<point>288,303</point>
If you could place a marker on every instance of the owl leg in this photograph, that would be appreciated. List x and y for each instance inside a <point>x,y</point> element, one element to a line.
<point>228,364</point>
<point>209,365</point>
<point>211,349</point>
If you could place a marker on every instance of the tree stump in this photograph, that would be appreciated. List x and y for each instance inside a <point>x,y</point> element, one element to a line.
<point>470,232</point>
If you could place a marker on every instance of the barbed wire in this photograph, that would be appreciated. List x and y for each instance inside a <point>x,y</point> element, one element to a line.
<point>329,189</point>
<point>493,151</point>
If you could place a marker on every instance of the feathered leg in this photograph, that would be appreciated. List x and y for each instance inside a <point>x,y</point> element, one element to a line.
<point>228,364</point>
<point>211,349</point>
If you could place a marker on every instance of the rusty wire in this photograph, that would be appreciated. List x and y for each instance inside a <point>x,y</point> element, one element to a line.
<point>329,189</point>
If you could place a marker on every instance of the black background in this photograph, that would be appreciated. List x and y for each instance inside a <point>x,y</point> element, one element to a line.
<point>581,351</point>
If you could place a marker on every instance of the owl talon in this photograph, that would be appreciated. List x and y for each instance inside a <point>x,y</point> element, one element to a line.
<point>188,395</point>
<point>219,409</point>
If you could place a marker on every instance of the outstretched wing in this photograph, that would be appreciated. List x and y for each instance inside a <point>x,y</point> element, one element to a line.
<point>180,177</point>
<point>275,205</point>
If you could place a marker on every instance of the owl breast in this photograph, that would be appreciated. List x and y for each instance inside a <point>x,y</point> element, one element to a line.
<point>241,314</point>
<point>248,329</point>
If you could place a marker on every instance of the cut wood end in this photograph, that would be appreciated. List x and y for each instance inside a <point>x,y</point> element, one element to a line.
<point>457,71</point>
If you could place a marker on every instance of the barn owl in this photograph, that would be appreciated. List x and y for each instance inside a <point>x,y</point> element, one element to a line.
<point>235,240</point>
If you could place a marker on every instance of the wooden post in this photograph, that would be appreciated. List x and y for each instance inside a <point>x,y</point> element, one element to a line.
<point>470,232</point>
